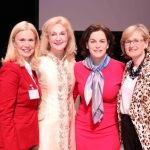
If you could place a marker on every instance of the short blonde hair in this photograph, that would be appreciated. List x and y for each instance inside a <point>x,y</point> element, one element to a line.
<point>70,49</point>
<point>128,33</point>
<point>12,54</point>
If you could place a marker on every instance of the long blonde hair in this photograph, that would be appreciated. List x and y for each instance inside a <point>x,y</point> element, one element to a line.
<point>70,49</point>
<point>12,54</point>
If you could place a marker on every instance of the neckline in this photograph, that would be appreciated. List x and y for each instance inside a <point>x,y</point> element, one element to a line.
<point>135,71</point>
<point>56,59</point>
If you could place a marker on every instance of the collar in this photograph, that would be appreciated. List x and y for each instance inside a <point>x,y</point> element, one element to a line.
<point>28,67</point>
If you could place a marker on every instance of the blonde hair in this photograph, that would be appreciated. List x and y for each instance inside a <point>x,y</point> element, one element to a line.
<point>12,54</point>
<point>128,33</point>
<point>70,49</point>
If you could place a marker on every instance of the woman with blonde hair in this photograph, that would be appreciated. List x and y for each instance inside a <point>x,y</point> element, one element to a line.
<point>19,90</point>
<point>133,99</point>
<point>56,77</point>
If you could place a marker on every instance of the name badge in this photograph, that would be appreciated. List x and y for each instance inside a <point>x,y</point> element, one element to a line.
<point>33,94</point>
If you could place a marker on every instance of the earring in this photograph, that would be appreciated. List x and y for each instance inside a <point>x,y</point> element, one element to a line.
<point>87,46</point>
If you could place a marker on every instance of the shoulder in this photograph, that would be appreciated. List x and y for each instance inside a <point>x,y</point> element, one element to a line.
<point>117,64</point>
<point>71,63</point>
<point>43,60</point>
<point>10,69</point>
<point>147,61</point>
<point>80,68</point>
<point>10,65</point>
<point>78,64</point>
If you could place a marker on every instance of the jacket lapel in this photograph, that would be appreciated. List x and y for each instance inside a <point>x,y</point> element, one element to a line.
<point>27,77</point>
<point>37,82</point>
<point>142,75</point>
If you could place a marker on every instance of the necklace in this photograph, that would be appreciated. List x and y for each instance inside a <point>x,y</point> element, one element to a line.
<point>134,73</point>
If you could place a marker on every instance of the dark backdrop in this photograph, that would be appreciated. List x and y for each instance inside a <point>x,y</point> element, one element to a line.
<point>14,11</point>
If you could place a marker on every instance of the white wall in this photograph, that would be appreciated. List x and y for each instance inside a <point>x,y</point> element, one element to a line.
<point>115,14</point>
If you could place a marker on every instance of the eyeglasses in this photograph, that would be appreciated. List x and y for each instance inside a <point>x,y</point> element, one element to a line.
<point>135,42</point>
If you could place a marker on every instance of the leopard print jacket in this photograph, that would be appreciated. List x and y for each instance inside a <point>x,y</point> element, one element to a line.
<point>139,110</point>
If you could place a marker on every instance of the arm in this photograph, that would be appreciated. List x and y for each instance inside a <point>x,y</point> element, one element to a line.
<point>9,80</point>
<point>75,92</point>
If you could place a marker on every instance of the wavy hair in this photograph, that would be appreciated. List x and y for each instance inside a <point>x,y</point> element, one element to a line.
<point>70,49</point>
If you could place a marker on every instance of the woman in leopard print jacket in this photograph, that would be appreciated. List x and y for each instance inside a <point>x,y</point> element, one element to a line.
<point>134,95</point>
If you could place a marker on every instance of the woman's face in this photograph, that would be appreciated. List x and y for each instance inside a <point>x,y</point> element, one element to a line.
<point>58,39</point>
<point>135,45</point>
<point>97,45</point>
<point>24,42</point>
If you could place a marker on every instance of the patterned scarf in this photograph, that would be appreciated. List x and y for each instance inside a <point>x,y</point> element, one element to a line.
<point>94,87</point>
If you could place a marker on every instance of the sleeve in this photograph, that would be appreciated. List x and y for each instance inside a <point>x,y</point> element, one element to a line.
<point>75,91</point>
<point>9,82</point>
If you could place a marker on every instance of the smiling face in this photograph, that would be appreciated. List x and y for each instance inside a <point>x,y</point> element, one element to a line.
<point>136,45</point>
<point>97,45</point>
<point>24,42</point>
<point>58,39</point>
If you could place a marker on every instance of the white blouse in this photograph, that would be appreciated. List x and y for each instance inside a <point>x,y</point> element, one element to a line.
<point>127,91</point>
<point>28,67</point>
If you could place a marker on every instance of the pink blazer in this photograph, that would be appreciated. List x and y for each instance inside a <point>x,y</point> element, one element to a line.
<point>18,114</point>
